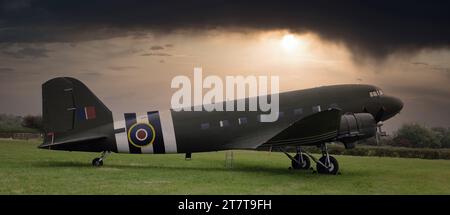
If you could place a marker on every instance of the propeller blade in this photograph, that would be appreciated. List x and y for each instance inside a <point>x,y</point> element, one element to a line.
<point>365,110</point>
<point>379,114</point>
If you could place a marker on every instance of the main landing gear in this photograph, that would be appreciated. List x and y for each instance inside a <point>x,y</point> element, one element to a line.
<point>325,165</point>
<point>300,160</point>
<point>97,162</point>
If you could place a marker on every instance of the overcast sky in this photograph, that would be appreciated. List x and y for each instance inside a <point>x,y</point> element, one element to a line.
<point>127,53</point>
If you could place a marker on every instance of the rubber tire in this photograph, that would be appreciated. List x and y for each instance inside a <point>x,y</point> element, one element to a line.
<point>334,166</point>
<point>305,165</point>
<point>97,162</point>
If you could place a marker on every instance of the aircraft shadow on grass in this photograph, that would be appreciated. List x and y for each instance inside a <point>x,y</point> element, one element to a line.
<point>237,168</point>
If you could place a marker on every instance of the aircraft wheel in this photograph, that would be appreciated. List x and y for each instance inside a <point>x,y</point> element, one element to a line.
<point>333,166</point>
<point>303,165</point>
<point>97,162</point>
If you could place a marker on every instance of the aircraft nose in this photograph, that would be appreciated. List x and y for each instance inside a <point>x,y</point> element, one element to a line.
<point>400,105</point>
<point>392,106</point>
<point>396,105</point>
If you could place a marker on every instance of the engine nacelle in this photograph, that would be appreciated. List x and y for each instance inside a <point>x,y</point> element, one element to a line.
<point>354,127</point>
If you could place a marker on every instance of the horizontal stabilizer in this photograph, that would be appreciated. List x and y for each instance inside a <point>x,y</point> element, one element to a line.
<point>311,130</point>
<point>67,142</point>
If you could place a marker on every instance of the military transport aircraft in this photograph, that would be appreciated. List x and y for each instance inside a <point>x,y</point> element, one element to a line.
<point>76,120</point>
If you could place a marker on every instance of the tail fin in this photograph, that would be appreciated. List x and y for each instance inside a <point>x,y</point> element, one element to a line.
<point>70,113</point>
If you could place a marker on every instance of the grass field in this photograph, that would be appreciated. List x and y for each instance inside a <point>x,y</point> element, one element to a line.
<point>24,169</point>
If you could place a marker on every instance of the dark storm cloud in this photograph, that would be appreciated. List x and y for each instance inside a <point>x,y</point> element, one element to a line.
<point>374,28</point>
<point>421,92</point>
<point>6,70</point>
<point>160,54</point>
<point>27,52</point>
<point>92,74</point>
<point>156,48</point>
<point>420,64</point>
<point>122,68</point>
<point>437,68</point>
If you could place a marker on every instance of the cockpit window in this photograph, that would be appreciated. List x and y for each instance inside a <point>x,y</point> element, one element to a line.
<point>375,93</point>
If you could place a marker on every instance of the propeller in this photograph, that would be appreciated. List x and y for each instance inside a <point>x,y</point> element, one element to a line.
<point>379,115</point>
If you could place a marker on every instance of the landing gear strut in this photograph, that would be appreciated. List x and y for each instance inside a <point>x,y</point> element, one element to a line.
<point>97,162</point>
<point>325,165</point>
<point>300,160</point>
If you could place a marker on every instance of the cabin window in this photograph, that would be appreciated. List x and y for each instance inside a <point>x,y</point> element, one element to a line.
<point>204,125</point>
<point>224,123</point>
<point>298,111</point>
<point>380,92</point>
<point>242,120</point>
<point>316,109</point>
<point>334,106</point>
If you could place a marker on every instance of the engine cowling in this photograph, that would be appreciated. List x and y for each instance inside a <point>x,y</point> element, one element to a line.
<point>356,126</point>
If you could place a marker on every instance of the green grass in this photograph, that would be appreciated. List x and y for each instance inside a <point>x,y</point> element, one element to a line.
<point>16,129</point>
<point>24,169</point>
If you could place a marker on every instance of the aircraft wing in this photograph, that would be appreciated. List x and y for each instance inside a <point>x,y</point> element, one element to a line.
<point>311,130</point>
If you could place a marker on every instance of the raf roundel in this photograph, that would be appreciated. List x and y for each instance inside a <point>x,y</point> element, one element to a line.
<point>141,134</point>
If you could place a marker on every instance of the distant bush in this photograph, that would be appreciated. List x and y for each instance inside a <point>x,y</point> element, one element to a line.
<point>418,136</point>
<point>13,124</point>
<point>383,141</point>
<point>386,151</point>
<point>33,122</point>
<point>443,135</point>
<point>379,151</point>
<point>9,121</point>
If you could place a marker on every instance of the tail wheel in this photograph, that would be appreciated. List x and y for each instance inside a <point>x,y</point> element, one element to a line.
<point>332,166</point>
<point>97,162</point>
<point>303,162</point>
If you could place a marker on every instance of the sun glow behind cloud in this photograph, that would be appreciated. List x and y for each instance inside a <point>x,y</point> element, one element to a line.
<point>284,50</point>
<point>289,42</point>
